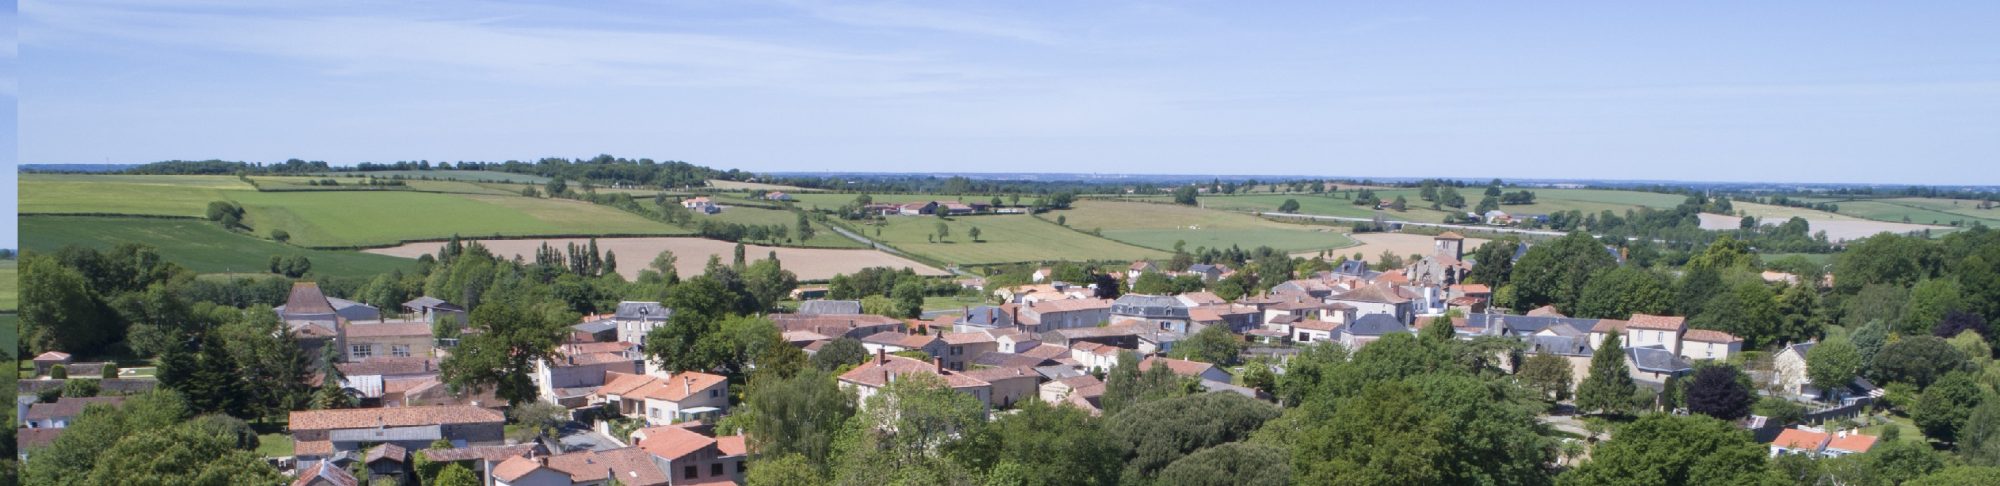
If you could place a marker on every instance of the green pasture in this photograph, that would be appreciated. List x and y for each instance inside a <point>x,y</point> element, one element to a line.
<point>1158,226</point>
<point>330,219</point>
<point>122,194</point>
<point>199,245</point>
<point>834,200</point>
<point>450,175</point>
<point>10,286</point>
<point>1893,211</point>
<point>1004,238</point>
<point>822,237</point>
<point>1963,207</point>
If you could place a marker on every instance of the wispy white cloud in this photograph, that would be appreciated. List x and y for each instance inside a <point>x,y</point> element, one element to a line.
<point>388,43</point>
<point>901,16</point>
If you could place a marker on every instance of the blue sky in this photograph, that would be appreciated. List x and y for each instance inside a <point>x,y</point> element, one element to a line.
<point>1789,91</point>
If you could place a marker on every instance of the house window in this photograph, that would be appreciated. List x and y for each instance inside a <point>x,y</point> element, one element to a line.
<point>714,393</point>
<point>653,412</point>
<point>1305,338</point>
<point>715,469</point>
<point>957,350</point>
<point>399,350</point>
<point>361,351</point>
<point>742,467</point>
<point>690,472</point>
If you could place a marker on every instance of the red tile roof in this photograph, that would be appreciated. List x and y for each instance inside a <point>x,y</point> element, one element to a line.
<point>321,471</point>
<point>1852,442</point>
<point>52,356</point>
<point>1711,336</point>
<point>392,417</point>
<point>393,328</point>
<point>1450,235</point>
<point>676,387</point>
<point>306,298</point>
<point>875,372</point>
<point>1316,325</point>
<point>1608,326</point>
<point>1800,440</point>
<point>1546,311</point>
<point>672,442</point>
<point>1658,323</point>
<point>1179,366</point>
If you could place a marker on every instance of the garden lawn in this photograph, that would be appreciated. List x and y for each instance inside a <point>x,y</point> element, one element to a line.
<point>351,219</point>
<point>1005,238</point>
<point>199,245</point>
<point>1159,226</point>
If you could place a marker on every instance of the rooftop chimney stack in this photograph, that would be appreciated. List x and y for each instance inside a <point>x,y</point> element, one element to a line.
<point>881,356</point>
<point>939,363</point>
<point>687,385</point>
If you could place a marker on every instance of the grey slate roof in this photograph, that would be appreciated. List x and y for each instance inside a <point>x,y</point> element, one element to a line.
<point>1009,360</point>
<point>1374,325</point>
<point>818,307</point>
<point>642,311</point>
<point>597,326</point>
<point>1802,348</point>
<point>1560,345</point>
<point>1149,306</point>
<point>1656,359</point>
<point>988,316</point>
<point>386,434</point>
<point>1525,325</point>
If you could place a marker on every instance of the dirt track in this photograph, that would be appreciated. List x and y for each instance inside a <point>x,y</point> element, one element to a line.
<point>692,255</point>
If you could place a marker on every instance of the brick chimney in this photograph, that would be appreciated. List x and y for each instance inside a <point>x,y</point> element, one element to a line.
<point>939,363</point>
<point>881,356</point>
<point>687,385</point>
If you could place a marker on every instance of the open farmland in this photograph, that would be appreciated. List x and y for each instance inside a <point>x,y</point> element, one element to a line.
<point>822,236</point>
<point>1308,204</point>
<point>199,245</point>
<point>10,287</point>
<point>1953,206</point>
<point>1004,239</point>
<point>451,175</point>
<point>141,195</point>
<point>1403,244</point>
<point>341,219</point>
<point>1838,228</point>
<point>1158,226</point>
<point>754,186</point>
<point>834,200</point>
<point>691,255</point>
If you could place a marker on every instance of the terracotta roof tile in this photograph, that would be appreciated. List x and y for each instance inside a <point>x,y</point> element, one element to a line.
<point>1711,336</point>
<point>1660,323</point>
<point>392,417</point>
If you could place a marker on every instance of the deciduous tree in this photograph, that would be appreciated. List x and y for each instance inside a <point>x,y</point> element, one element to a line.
<point>503,354</point>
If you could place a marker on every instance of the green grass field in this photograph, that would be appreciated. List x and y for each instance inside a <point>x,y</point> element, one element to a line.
<point>1005,238</point>
<point>10,286</point>
<point>141,195</point>
<point>1967,208</point>
<point>833,200</point>
<point>822,237</point>
<point>451,175</point>
<point>1546,201</point>
<point>1158,226</point>
<point>1892,211</point>
<point>198,245</point>
<point>333,219</point>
